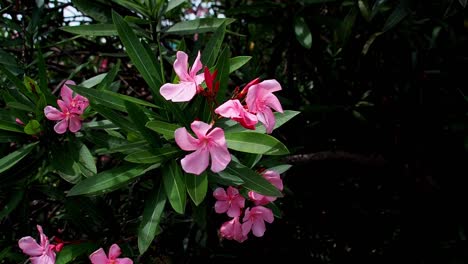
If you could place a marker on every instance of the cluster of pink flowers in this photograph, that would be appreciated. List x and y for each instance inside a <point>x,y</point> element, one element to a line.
<point>45,252</point>
<point>258,100</point>
<point>231,202</point>
<point>71,109</point>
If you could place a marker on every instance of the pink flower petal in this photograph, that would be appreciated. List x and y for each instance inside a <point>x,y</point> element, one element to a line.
<point>196,162</point>
<point>98,257</point>
<point>53,113</point>
<point>266,213</point>
<point>124,261</point>
<point>258,228</point>
<point>230,109</point>
<point>181,92</point>
<point>30,246</point>
<point>221,207</point>
<point>181,66</point>
<point>268,119</point>
<point>220,158</point>
<point>274,178</point>
<point>184,140</point>
<point>61,127</point>
<point>75,123</point>
<point>252,98</point>
<point>246,227</point>
<point>199,78</point>
<point>232,192</point>
<point>200,128</point>
<point>234,210</point>
<point>220,194</point>
<point>114,251</point>
<point>272,101</point>
<point>197,66</point>
<point>66,93</point>
<point>43,259</point>
<point>63,106</point>
<point>270,86</point>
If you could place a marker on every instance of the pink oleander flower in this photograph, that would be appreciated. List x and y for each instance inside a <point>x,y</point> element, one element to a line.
<point>233,109</point>
<point>100,257</point>
<point>70,110</point>
<point>274,178</point>
<point>233,230</point>
<point>39,253</point>
<point>260,100</point>
<point>230,201</point>
<point>255,218</point>
<point>67,119</point>
<point>75,105</point>
<point>209,144</point>
<point>189,81</point>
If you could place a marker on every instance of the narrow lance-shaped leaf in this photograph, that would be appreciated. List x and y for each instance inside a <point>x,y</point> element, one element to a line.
<point>115,118</point>
<point>92,30</point>
<point>200,25</point>
<point>149,226</point>
<point>256,143</point>
<point>174,184</point>
<point>11,159</point>
<point>139,120</point>
<point>109,99</point>
<point>106,82</point>
<point>165,129</point>
<point>211,51</point>
<point>222,65</point>
<point>139,56</point>
<point>197,186</point>
<point>237,62</point>
<point>110,180</point>
<point>281,118</point>
<point>302,32</point>
<point>153,156</point>
<point>252,180</point>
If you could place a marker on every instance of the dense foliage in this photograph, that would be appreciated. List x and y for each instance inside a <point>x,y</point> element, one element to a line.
<point>379,147</point>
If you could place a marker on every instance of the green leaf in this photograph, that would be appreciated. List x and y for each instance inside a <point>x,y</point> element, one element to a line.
<point>96,10</point>
<point>280,168</point>
<point>8,137</point>
<point>200,25</point>
<point>64,161</point>
<point>12,203</point>
<point>165,129</point>
<point>223,73</point>
<point>212,48</point>
<point>126,148</point>
<point>20,106</point>
<point>197,186</point>
<point>149,226</point>
<point>252,180</point>
<point>237,62</point>
<point>310,2</point>
<point>174,184</point>
<point>100,124</point>
<point>14,157</point>
<point>139,120</point>
<point>106,82</point>
<point>10,126</point>
<point>400,12</point>
<point>173,4</point>
<point>93,81</point>
<point>109,99</point>
<point>140,57</point>
<point>230,126</point>
<point>92,30</point>
<point>257,143</point>
<point>302,32</point>
<point>225,178</point>
<point>86,161</point>
<point>133,5</point>
<point>15,80</point>
<point>110,180</point>
<point>32,127</point>
<point>70,252</point>
<point>154,156</point>
<point>115,118</point>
